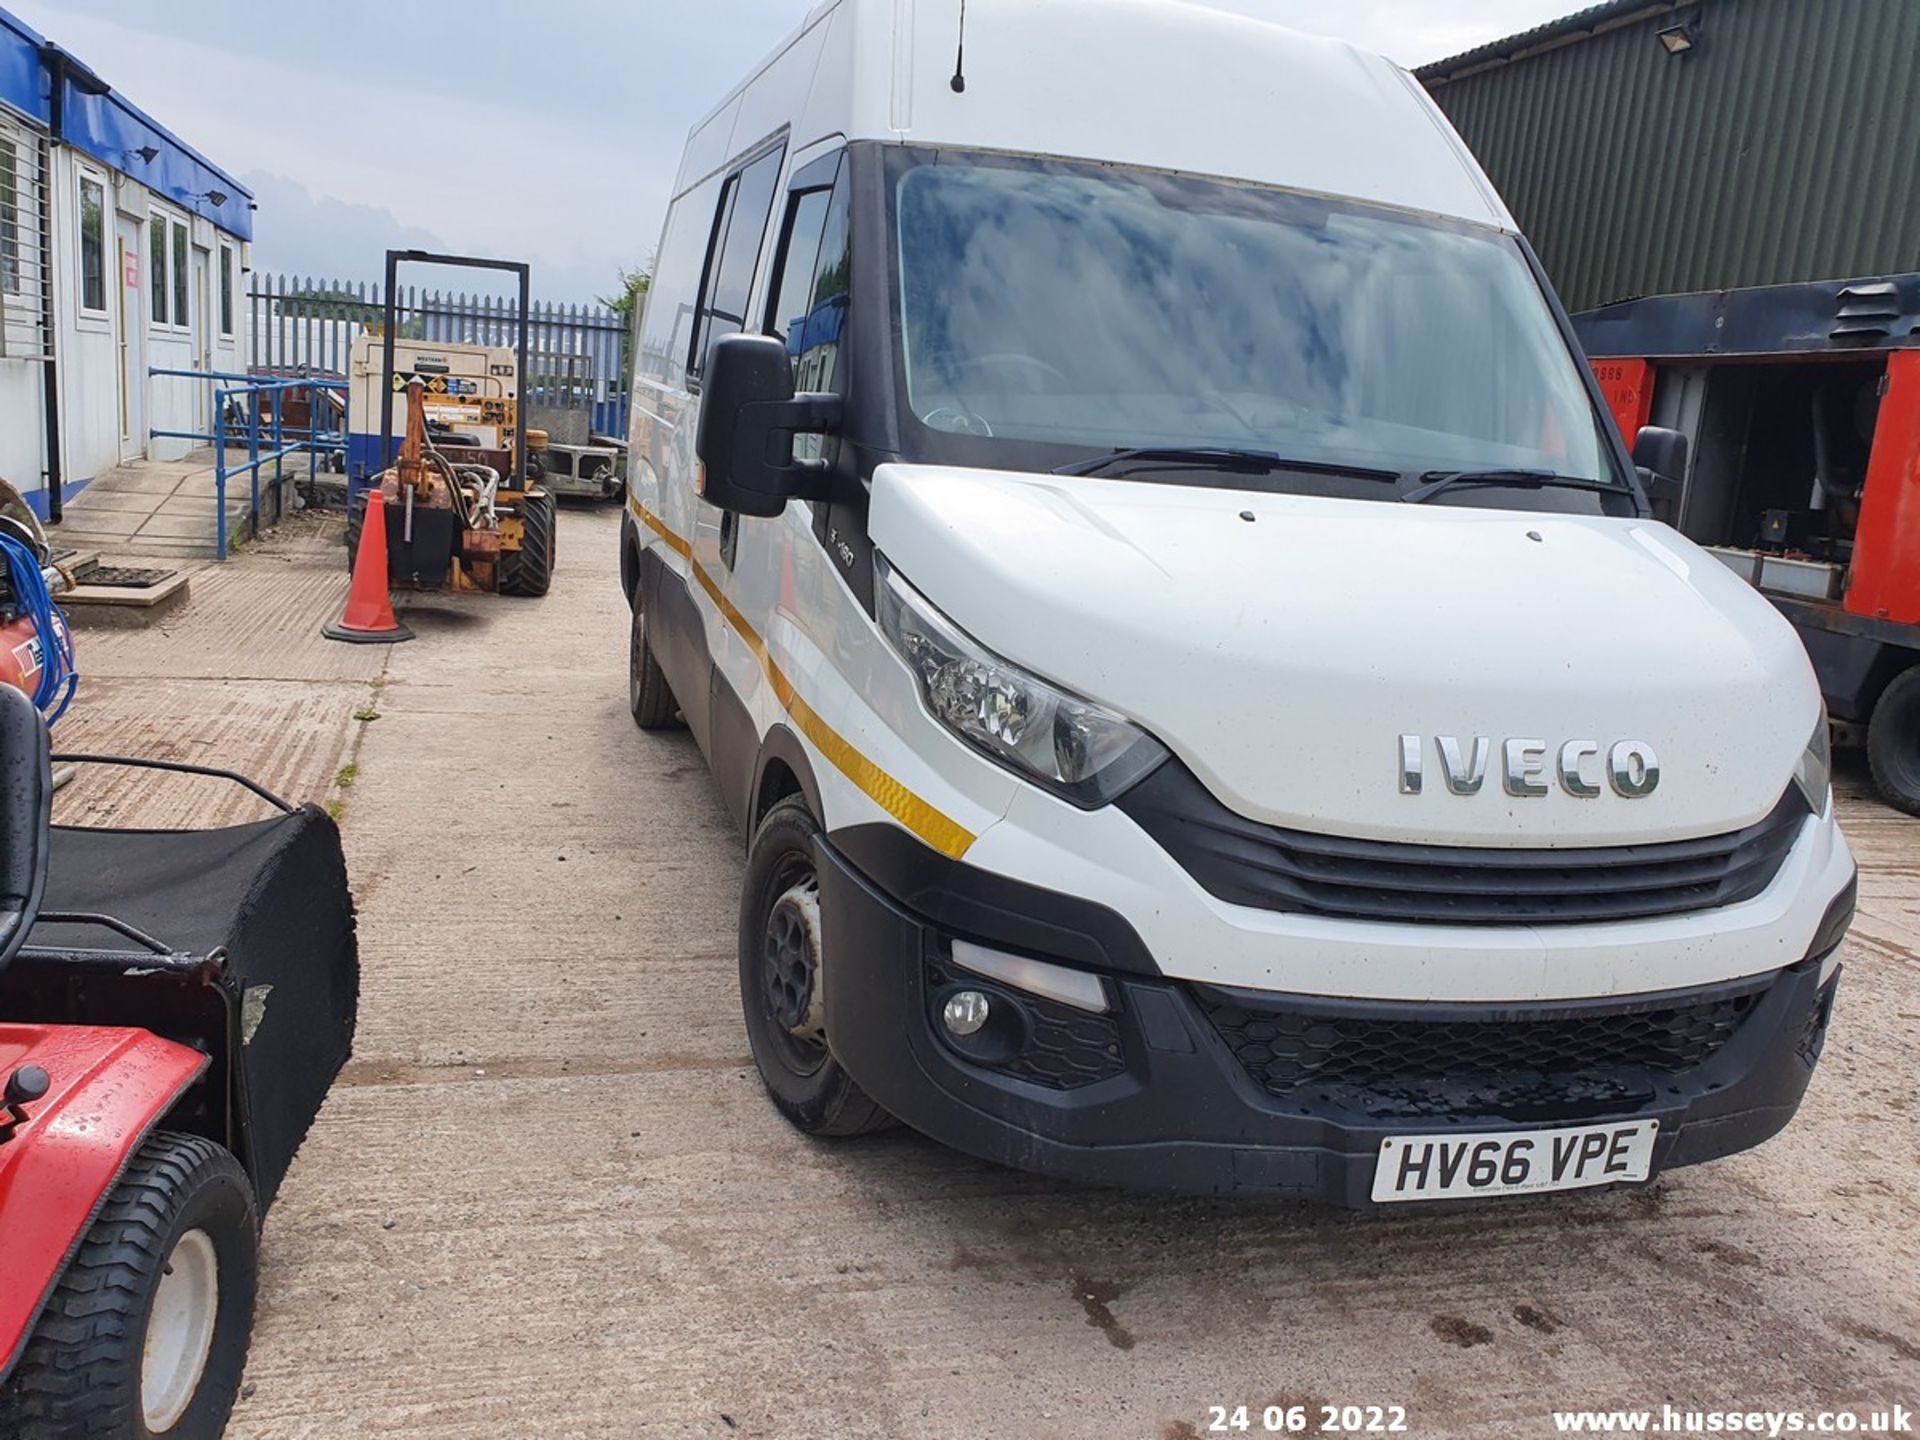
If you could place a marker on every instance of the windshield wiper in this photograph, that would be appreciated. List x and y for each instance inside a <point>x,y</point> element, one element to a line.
<point>1215,457</point>
<point>1438,481</point>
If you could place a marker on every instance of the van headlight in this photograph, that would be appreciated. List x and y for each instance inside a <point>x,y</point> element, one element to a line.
<point>1814,773</point>
<point>1075,748</point>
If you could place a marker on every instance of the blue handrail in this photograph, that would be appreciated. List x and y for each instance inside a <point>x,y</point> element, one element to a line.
<point>255,388</point>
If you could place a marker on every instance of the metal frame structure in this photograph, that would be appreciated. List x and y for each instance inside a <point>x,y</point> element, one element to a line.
<point>312,438</point>
<point>389,318</point>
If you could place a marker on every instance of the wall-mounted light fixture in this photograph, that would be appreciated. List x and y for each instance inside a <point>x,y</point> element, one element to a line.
<point>214,197</point>
<point>147,153</point>
<point>1678,40</point>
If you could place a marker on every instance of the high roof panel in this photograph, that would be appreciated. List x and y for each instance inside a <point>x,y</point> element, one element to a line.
<point>1143,82</point>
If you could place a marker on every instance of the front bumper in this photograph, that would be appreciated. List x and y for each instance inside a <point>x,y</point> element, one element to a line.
<point>1164,1093</point>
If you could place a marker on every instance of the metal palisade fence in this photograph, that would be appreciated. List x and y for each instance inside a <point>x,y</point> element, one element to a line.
<point>576,354</point>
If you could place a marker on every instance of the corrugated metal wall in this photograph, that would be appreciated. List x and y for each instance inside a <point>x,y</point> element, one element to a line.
<point>1786,147</point>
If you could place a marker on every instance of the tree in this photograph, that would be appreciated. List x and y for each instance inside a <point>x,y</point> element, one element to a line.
<point>626,304</point>
<point>633,290</point>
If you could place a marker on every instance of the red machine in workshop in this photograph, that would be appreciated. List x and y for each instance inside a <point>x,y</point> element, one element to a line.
<point>173,1008</point>
<point>1800,405</point>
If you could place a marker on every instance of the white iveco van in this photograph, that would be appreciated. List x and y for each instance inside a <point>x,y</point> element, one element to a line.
<point>1122,512</point>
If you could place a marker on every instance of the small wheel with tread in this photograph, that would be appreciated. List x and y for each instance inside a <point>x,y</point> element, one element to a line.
<point>1893,742</point>
<point>146,1333</point>
<point>529,570</point>
<point>781,993</point>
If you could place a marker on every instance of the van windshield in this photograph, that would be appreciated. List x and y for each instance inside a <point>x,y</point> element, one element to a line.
<point>1097,308</point>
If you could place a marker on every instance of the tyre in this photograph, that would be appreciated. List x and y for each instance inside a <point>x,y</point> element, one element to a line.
<point>529,570</point>
<point>146,1333</point>
<point>780,990</point>
<point>649,696</point>
<point>1893,742</point>
<point>356,522</point>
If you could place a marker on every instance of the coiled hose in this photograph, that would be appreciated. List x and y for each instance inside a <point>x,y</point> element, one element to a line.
<point>57,675</point>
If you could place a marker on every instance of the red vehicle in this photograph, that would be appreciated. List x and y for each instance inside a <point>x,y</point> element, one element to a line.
<point>173,1008</point>
<point>1801,406</point>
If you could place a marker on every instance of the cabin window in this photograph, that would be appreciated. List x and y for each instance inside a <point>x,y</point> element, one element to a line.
<point>226,289</point>
<point>93,246</point>
<point>157,288</point>
<point>9,217</point>
<point>182,310</point>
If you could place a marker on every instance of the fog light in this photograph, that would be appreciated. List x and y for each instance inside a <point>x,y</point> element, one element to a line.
<point>965,1012</point>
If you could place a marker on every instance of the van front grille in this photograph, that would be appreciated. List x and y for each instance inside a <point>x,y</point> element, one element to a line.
<point>1247,863</point>
<point>1547,1063</point>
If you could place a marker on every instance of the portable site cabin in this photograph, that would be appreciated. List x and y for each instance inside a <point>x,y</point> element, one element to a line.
<point>121,250</point>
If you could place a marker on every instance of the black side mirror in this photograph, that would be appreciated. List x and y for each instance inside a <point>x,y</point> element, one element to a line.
<point>748,418</point>
<point>1660,455</point>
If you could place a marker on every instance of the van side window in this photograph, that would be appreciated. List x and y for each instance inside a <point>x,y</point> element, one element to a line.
<point>791,296</point>
<point>818,349</point>
<point>667,318</point>
<point>740,226</point>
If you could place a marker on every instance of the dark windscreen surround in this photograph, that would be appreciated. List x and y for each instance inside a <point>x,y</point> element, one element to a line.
<point>1045,303</point>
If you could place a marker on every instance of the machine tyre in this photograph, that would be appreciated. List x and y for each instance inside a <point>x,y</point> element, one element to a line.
<point>529,570</point>
<point>1893,742</point>
<point>649,696</point>
<point>780,952</point>
<point>173,1251</point>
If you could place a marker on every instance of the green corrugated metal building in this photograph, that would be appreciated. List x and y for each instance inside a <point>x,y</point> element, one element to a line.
<point>1754,142</point>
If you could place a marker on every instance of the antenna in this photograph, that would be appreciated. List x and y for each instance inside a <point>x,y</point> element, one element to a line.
<point>959,81</point>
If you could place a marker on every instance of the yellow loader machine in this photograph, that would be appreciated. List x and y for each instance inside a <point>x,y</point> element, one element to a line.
<point>461,511</point>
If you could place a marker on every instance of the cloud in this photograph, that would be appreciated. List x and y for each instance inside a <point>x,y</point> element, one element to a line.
<point>548,135</point>
<point>299,233</point>
<point>490,171</point>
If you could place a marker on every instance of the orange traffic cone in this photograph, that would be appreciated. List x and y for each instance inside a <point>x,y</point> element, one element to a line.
<point>369,618</point>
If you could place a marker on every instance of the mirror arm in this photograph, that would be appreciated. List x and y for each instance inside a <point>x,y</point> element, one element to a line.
<point>816,414</point>
<point>802,415</point>
<point>805,414</point>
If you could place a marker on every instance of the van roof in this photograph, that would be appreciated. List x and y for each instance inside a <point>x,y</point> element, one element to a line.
<point>1154,83</point>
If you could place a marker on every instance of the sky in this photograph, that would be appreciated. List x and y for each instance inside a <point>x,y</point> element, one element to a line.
<point>547,132</point>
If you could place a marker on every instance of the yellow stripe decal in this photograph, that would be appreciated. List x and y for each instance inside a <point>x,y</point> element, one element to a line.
<point>659,527</point>
<point>946,835</point>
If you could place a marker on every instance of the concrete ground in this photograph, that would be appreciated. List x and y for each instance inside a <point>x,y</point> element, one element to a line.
<point>166,507</point>
<point>548,1198</point>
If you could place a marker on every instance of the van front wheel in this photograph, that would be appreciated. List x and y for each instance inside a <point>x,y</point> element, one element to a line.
<point>780,982</point>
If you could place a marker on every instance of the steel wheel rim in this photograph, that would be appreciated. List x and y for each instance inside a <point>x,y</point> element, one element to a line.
<point>789,969</point>
<point>180,1328</point>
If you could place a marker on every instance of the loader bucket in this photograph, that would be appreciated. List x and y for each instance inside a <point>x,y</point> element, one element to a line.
<point>237,941</point>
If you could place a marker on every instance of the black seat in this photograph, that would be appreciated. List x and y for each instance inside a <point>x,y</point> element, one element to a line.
<point>26,811</point>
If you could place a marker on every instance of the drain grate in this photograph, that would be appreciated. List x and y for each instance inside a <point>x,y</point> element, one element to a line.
<point>120,577</point>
